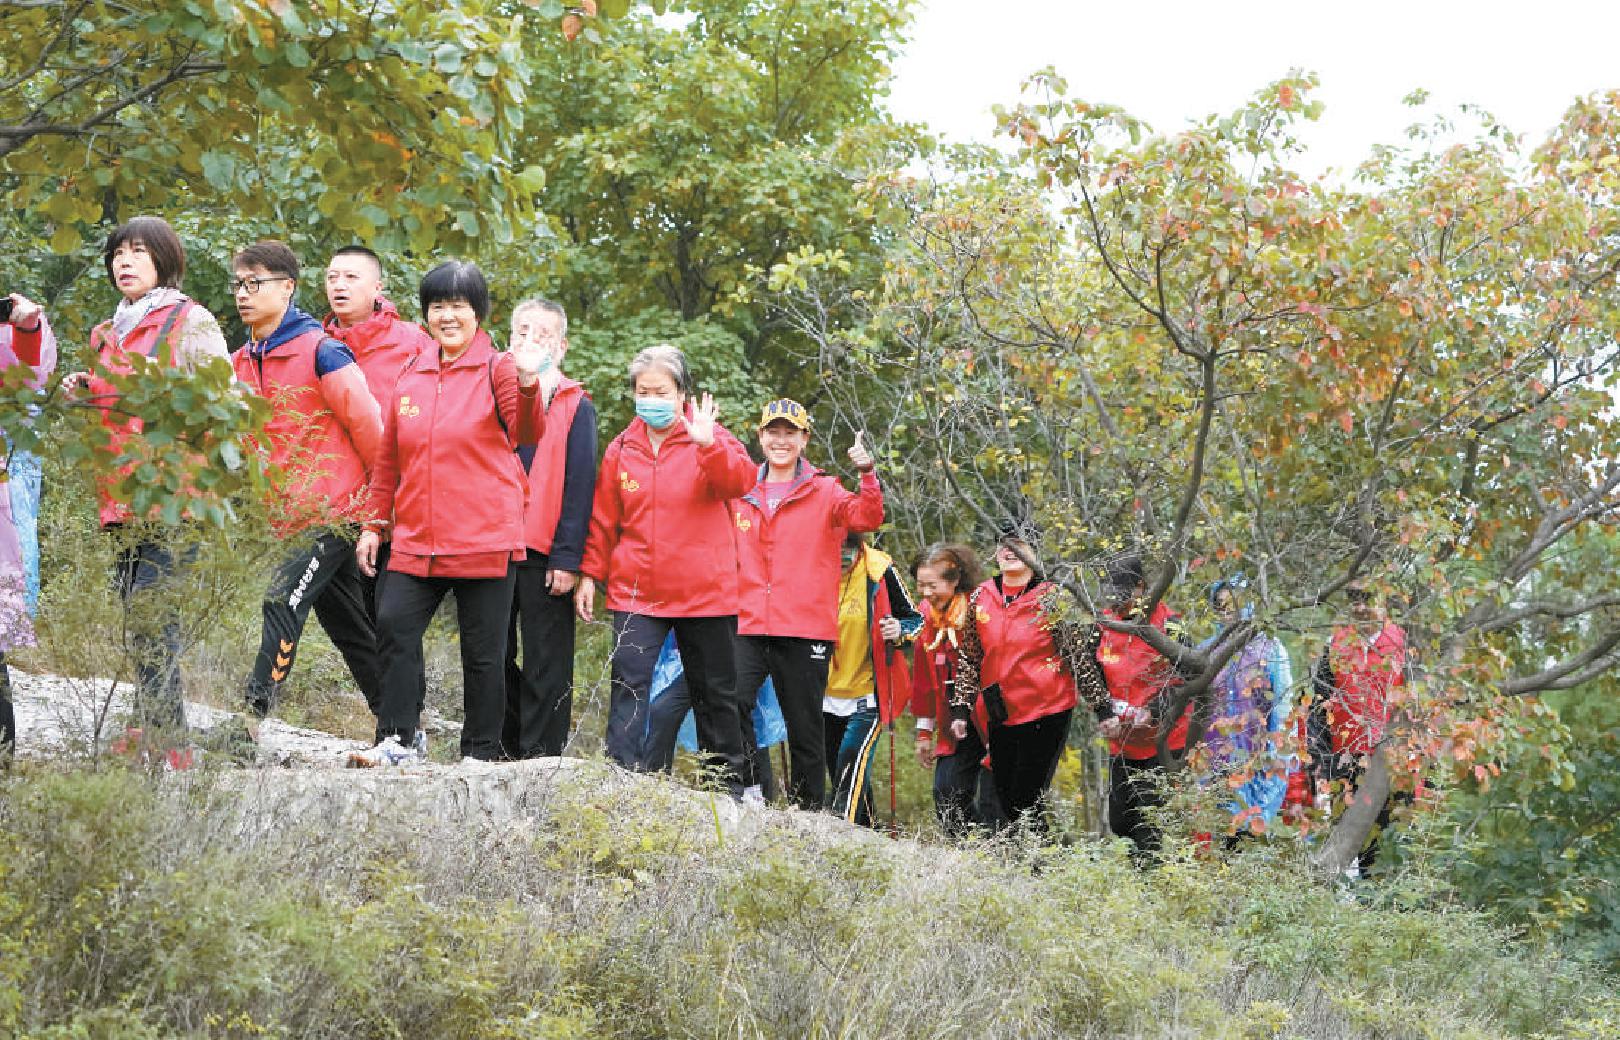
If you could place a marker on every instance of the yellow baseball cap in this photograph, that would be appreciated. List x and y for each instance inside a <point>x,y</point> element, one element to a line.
<point>787,410</point>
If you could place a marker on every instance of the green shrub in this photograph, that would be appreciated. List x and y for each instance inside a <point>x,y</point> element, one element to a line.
<point>613,907</point>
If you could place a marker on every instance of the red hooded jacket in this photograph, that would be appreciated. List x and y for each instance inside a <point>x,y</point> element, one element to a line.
<point>661,525</point>
<point>447,472</point>
<point>1138,674</point>
<point>788,560</point>
<point>383,345</point>
<point>325,425</point>
<point>1020,654</point>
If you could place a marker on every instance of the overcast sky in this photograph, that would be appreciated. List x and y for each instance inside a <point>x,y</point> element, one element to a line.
<point>1171,60</point>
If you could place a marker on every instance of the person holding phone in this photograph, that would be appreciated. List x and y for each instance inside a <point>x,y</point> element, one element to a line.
<point>25,340</point>
<point>790,529</point>
<point>661,542</point>
<point>145,262</point>
<point>1029,671</point>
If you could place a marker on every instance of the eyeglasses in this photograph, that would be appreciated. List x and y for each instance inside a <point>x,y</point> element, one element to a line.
<point>254,284</point>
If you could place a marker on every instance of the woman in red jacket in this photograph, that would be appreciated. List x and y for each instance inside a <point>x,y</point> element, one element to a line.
<point>964,793</point>
<point>661,543</point>
<point>1024,666</point>
<point>790,533</point>
<point>145,262</point>
<point>449,483</point>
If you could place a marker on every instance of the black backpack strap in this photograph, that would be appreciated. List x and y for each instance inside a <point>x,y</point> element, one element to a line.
<point>496,397</point>
<point>180,310</point>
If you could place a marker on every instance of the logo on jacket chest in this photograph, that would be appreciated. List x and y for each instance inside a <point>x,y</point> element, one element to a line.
<point>743,523</point>
<point>626,484</point>
<point>407,410</point>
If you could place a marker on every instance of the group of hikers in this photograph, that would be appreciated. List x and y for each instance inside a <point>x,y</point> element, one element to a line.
<point>413,461</point>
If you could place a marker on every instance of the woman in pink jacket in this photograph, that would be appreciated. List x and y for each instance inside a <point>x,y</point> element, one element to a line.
<point>26,340</point>
<point>449,484</point>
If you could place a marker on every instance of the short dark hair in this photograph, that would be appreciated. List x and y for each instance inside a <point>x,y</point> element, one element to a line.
<point>1125,573</point>
<point>359,250</point>
<point>455,280</point>
<point>269,254</point>
<point>162,245</point>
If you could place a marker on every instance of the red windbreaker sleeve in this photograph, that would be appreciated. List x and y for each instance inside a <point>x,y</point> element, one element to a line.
<point>349,399</point>
<point>922,676</point>
<point>726,467</point>
<point>521,407</point>
<point>384,471</point>
<point>27,343</point>
<point>604,517</point>
<point>862,510</point>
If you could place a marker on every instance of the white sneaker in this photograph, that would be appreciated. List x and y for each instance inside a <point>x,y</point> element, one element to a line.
<point>419,742</point>
<point>390,752</point>
<point>754,796</point>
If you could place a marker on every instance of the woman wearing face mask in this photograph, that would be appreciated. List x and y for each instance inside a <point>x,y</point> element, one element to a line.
<point>449,483</point>
<point>661,543</point>
<point>145,263</point>
<point>1024,668</point>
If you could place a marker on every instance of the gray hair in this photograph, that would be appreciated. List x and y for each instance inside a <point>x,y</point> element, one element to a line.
<point>540,303</point>
<point>665,356</point>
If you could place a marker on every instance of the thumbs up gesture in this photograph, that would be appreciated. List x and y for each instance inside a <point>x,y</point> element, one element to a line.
<point>859,455</point>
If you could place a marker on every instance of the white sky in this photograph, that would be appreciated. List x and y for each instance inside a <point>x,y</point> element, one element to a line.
<point>1168,61</point>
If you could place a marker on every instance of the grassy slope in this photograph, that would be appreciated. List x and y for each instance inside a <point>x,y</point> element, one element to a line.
<point>619,907</point>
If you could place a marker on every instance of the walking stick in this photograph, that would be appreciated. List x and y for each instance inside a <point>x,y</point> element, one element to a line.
<point>894,825</point>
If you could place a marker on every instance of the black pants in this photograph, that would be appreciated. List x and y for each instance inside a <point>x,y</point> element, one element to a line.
<point>665,717</point>
<point>798,670</point>
<point>405,606</point>
<point>1023,759</point>
<point>322,575</point>
<point>708,655</point>
<point>8,716</point>
<point>540,694</point>
<point>1135,787</point>
<point>964,790</point>
<point>159,699</point>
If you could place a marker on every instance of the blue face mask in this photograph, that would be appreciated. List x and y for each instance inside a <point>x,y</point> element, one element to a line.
<point>655,411</point>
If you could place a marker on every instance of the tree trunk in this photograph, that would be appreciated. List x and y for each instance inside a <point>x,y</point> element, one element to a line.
<point>1349,835</point>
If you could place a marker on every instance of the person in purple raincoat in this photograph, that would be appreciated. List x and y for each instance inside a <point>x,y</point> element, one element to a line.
<point>25,339</point>
<point>1253,697</point>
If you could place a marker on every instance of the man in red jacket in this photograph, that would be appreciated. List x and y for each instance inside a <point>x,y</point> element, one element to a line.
<point>562,478</point>
<point>366,321</point>
<point>1362,668</point>
<point>324,434</point>
<point>790,536</point>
